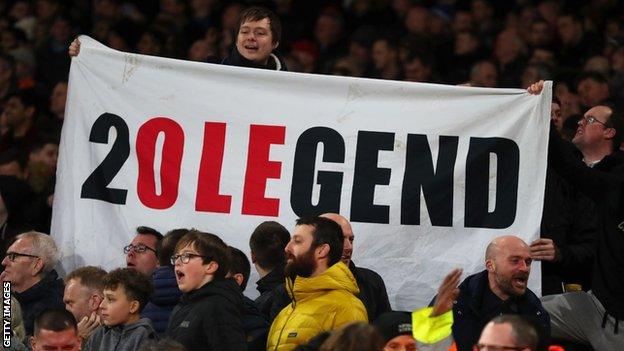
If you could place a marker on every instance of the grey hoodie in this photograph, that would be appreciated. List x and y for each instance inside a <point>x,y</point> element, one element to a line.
<point>121,337</point>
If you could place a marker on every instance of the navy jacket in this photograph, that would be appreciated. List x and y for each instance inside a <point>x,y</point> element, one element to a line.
<point>166,296</point>
<point>256,326</point>
<point>476,305</point>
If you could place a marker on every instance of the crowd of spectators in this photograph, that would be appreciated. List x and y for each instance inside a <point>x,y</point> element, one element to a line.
<point>480,43</point>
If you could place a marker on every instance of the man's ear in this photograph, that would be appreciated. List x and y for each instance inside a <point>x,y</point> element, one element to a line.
<point>239,278</point>
<point>609,133</point>
<point>94,302</point>
<point>31,341</point>
<point>275,45</point>
<point>322,251</point>
<point>134,306</point>
<point>489,265</point>
<point>38,266</point>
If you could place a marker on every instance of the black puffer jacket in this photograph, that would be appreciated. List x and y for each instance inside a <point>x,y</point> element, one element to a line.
<point>210,318</point>
<point>266,286</point>
<point>604,184</point>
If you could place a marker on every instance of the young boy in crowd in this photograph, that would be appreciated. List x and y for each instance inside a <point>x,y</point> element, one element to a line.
<point>126,292</point>
<point>209,315</point>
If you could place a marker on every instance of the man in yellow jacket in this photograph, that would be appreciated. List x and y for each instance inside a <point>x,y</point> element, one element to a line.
<point>322,288</point>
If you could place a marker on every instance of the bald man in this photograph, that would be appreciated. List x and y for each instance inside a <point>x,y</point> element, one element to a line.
<point>500,289</point>
<point>372,288</point>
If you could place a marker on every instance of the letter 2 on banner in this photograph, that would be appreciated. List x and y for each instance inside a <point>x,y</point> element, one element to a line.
<point>428,174</point>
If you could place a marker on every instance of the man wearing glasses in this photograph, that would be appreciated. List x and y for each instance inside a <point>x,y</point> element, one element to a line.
<point>141,253</point>
<point>29,266</point>
<point>594,317</point>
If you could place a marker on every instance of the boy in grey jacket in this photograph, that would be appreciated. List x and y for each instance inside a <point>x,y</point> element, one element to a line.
<point>126,292</point>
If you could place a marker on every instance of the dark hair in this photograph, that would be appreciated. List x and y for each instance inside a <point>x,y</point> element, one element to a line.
<point>616,122</point>
<point>26,97</point>
<point>210,246</point>
<point>593,75</point>
<point>166,246</point>
<point>56,320</point>
<point>354,337</point>
<point>523,332</point>
<point>149,231</point>
<point>137,286</point>
<point>240,264</point>
<point>256,13</point>
<point>328,232</point>
<point>90,277</point>
<point>13,155</point>
<point>267,243</point>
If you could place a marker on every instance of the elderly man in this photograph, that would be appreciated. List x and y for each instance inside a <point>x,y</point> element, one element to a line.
<point>29,266</point>
<point>500,289</point>
<point>83,295</point>
<point>56,329</point>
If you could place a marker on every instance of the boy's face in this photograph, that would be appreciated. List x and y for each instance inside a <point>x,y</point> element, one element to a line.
<point>116,307</point>
<point>255,40</point>
<point>194,274</point>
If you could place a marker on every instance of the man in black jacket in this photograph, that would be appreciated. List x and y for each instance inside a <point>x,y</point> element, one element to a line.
<point>29,266</point>
<point>594,317</point>
<point>500,289</point>
<point>209,315</point>
<point>267,244</point>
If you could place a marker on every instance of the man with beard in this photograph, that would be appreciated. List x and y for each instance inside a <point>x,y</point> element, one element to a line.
<point>321,286</point>
<point>500,289</point>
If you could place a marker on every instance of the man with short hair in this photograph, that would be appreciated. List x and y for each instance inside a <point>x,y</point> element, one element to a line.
<point>323,288</point>
<point>594,317</point>
<point>483,74</point>
<point>29,266</point>
<point>508,332</point>
<point>259,33</point>
<point>83,294</point>
<point>56,329</point>
<point>141,253</point>
<point>20,110</point>
<point>593,89</point>
<point>372,288</point>
<point>267,244</point>
<point>501,288</point>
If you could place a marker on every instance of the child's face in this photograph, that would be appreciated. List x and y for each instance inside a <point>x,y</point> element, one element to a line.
<point>116,308</point>
<point>194,274</point>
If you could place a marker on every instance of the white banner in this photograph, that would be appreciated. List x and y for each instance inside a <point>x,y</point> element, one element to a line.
<point>428,174</point>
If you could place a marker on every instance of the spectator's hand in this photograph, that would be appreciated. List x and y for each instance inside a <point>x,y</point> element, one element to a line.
<point>536,88</point>
<point>544,250</point>
<point>447,293</point>
<point>74,48</point>
<point>88,324</point>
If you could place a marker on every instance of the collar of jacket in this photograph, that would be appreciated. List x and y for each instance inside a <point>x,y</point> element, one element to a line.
<point>477,287</point>
<point>45,286</point>
<point>336,277</point>
<point>236,59</point>
<point>274,278</point>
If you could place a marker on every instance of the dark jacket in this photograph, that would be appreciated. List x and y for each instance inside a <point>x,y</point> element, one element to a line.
<point>209,318</point>
<point>46,294</point>
<point>476,305</point>
<point>604,184</point>
<point>121,337</point>
<point>236,59</point>
<point>165,297</point>
<point>570,219</point>
<point>266,286</point>
<point>256,326</point>
<point>372,293</point>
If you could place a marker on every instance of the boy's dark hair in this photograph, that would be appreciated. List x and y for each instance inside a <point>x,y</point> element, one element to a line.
<point>256,13</point>
<point>137,285</point>
<point>328,232</point>
<point>166,246</point>
<point>90,277</point>
<point>210,246</point>
<point>267,243</point>
<point>240,264</point>
<point>56,320</point>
